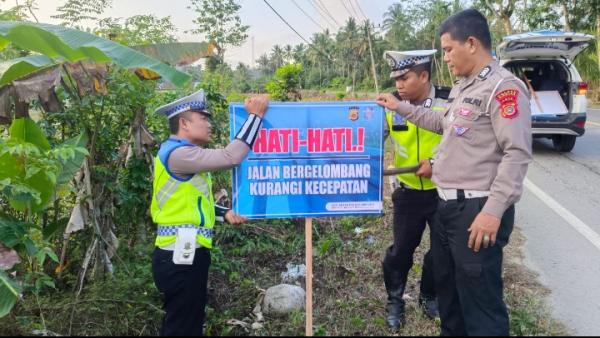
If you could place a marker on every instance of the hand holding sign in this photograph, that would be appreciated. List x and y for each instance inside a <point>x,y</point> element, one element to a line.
<point>389,101</point>
<point>257,104</point>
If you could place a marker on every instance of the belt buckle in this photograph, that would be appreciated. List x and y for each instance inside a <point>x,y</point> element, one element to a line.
<point>441,194</point>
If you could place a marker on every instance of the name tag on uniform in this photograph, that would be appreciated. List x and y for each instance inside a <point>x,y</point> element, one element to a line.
<point>185,246</point>
<point>398,122</point>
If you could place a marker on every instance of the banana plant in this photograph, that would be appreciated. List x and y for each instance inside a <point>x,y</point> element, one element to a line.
<point>30,173</point>
<point>178,53</point>
<point>54,45</point>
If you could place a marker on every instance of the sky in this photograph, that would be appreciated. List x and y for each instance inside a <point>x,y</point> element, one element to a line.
<point>266,28</point>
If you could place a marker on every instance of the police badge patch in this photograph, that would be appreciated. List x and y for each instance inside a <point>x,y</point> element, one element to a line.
<point>508,103</point>
<point>464,112</point>
<point>390,60</point>
<point>353,113</point>
<point>460,130</point>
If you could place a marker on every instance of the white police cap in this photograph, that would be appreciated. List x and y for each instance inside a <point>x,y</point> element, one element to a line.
<point>195,101</point>
<point>401,62</point>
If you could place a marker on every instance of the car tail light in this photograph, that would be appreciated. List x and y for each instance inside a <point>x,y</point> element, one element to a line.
<point>582,88</point>
<point>580,124</point>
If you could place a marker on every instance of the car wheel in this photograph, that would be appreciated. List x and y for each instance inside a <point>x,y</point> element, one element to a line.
<point>564,143</point>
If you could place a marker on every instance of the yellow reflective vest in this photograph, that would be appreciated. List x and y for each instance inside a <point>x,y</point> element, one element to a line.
<point>181,202</point>
<point>413,144</point>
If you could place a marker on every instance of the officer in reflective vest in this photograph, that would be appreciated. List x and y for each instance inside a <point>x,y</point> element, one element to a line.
<point>184,209</point>
<point>414,196</point>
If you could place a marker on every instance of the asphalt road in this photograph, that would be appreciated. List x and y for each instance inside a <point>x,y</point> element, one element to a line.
<point>559,215</point>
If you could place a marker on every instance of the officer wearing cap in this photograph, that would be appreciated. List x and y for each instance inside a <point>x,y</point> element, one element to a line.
<point>414,196</point>
<point>479,170</point>
<point>184,209</point>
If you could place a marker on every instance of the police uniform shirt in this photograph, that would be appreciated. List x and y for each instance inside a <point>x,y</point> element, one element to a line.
<point>486,142</point>
<point>186,161</point>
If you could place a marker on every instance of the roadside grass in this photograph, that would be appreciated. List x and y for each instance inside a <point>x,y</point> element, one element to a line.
<point>349,294</point>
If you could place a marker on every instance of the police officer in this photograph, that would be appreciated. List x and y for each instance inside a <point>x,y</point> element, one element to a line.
<point>479,171</point>
<point>184,209</point>
<point>414,196</point>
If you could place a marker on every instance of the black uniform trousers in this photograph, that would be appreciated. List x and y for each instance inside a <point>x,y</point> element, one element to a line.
<point>469,283</point>
<point>413,209</point>
<point>184,288</point>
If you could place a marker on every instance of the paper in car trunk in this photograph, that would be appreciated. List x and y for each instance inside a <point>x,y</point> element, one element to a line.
<point>547,103</point>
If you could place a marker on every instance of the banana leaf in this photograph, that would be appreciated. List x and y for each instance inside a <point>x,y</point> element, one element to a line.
<point>62,44</point>
<point>9,293</point>
<point>177,53</point>
<point>14,69</point>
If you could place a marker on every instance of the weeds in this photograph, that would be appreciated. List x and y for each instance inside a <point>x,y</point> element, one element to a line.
<point>349,294</point>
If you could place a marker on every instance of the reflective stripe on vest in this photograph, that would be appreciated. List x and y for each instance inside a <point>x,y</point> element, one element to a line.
<point>181,202</point>
<point>171,230</point>
<point>199,183</point>
<point>166,191</point>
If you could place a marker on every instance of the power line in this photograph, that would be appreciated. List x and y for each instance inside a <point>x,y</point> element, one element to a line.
<point>360,9</point>
<point>295,31</point>
<point>282,19</point>
<point>353,10</point>
<point>327,12</point>
<point>310,17</point>
<point>346,7</point>
<point>319,11</point>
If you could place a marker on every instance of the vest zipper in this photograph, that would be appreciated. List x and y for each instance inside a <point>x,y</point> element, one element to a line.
<point>200,211</point>
<point>419,156</point>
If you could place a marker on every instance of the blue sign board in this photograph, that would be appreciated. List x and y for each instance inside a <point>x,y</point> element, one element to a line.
<point>311,160</point>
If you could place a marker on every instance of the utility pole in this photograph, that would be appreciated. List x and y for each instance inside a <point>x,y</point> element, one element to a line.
<point>372,59</point>
<point>252,41</point>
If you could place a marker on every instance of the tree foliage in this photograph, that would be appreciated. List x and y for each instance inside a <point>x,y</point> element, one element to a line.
<point>115,135</point>
<point>138,30</point>
<point>220,23</point>
<point>285,84</point>
<point>74,12</point>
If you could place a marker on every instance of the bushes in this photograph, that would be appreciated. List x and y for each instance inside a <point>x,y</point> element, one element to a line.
<point>285,85</point>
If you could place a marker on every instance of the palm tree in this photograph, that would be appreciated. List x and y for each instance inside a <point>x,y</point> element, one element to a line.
<point>263,63</point>
<point>287,53</point>
<point>277,57</point>
<point>398,25</point>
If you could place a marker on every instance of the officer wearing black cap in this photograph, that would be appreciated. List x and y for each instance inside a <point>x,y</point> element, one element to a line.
<point>414,196</point>
<point>183,206</point>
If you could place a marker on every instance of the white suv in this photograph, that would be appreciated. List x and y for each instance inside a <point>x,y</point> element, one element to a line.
<point>544,61</point>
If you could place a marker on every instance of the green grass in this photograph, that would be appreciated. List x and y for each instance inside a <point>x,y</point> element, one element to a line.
<point>349,294</point>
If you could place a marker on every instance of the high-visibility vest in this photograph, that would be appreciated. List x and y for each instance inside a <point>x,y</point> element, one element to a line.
<point>413,144</point>
<point>181,202</point>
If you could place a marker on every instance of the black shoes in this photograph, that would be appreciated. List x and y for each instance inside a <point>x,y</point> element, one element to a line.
<point>429,305</point>
<point>394,309</point>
